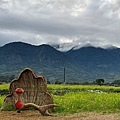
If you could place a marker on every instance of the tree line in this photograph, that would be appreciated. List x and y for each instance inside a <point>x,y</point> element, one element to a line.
<point>9,78</point>
<point>96,82</point>
<point>6,78</point>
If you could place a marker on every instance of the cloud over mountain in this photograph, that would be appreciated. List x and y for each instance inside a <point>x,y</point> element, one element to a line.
<point>62,21</point>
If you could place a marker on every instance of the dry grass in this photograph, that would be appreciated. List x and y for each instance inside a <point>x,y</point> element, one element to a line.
<point>34,115</point>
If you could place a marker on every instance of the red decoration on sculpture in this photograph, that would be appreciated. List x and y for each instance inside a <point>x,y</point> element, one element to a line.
<point>19,90</point>
<point>20,105</point>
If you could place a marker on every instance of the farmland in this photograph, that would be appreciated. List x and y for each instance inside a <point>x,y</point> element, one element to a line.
<point>85,102</point>
<point>81,98</point>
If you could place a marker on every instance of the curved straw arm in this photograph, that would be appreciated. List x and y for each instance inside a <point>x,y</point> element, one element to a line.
<point>42,109</point>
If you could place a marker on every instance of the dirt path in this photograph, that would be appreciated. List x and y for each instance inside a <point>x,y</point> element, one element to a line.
<point>34,115</point>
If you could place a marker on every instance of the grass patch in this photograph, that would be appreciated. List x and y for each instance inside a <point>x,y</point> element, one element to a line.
<point>1,100</point>
<point>74,88</point>
<point>8,107</point>
<point>87,102</point>
<point>4,86</point>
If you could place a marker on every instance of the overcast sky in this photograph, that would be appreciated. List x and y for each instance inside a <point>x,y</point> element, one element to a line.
<point>77,22</point>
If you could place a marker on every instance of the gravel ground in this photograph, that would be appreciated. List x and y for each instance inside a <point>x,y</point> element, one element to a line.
<point>35,115</point>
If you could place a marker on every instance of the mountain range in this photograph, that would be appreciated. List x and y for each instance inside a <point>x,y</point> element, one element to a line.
<point>85,64</point>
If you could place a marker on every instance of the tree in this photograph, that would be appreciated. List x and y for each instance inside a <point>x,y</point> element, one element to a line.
<point>48,82</point>
<point>116,83</point>
<point>7,78</point>
<point>100,81</point>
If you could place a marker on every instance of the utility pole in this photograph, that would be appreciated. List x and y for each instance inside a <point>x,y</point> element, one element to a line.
<point>64,75</point>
